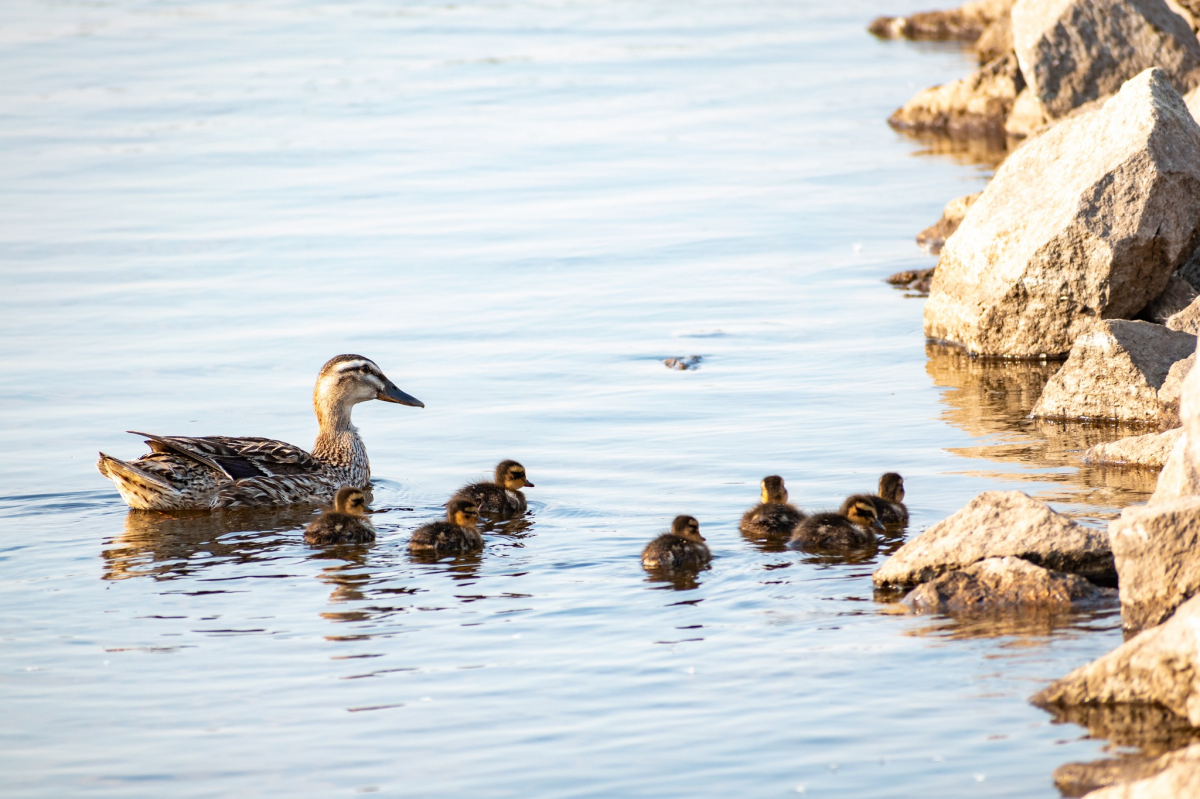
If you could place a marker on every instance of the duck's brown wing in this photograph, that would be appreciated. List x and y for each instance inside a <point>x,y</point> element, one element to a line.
<point>238,458</point>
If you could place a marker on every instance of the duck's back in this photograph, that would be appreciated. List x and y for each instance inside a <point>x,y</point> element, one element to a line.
<point>494,499</point>
<point>890,512</point>
<point>672,552</point>
<point>771,519</point>
<point>339,528</point>
<point>445,537</point>
<point>831,530</point>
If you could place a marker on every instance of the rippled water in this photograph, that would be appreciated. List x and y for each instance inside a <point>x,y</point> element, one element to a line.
<point>518,210</point>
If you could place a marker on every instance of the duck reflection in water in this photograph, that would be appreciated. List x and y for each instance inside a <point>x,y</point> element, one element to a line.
<point>168,545</point>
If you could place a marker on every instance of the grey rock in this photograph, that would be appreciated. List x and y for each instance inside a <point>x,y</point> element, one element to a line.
<point>1075,51</point>
<point>997,524</point>
<point>1157,552</point>
<point>997,582</point>
<point>1176,297</point>
<point>932,238</point>
<point>1157,666</point>
<point>1150,451</point>
<point>1115,372</point>
<point>1086,221</point>
<point>976,105</point>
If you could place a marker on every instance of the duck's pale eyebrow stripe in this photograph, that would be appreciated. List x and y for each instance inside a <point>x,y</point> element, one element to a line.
<point>350,366</point>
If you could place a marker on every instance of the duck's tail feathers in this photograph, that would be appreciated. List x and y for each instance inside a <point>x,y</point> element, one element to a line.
<point>138,488</point>
<point>164,444</point>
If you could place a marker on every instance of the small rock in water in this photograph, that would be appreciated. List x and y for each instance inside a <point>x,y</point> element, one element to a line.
<point>1002,582</point>
<point>684,363</point>
<point>1150,451</point>
<point>913,279</point>
<point>976,105</point>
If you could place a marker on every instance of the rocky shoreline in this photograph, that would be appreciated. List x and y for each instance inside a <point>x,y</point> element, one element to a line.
<point>1084,248</point>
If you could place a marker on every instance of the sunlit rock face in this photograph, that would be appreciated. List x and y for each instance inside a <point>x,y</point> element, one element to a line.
<point>1157,552</point>
<point>1083,223</point>
<point>1181,475</point>
<point>1116,372</point>
<point>1002,582</point>
<point>1150,451</point>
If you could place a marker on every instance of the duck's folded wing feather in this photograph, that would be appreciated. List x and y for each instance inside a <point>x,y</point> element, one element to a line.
<point>238,458</point>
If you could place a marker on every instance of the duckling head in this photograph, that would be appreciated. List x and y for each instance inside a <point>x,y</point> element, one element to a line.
<point>687,527</point>
<point>773,490</point>
<point>350,500</point>
<point>891,487</point>
<point>463,512</point>
<point>861,511</point>
<point>511,475</point>
<point>347,380</point>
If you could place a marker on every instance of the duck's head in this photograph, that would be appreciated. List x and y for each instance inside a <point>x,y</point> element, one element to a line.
<point>511,475</point>
<point>687,527</point>
<point>350,500</point>
<point>347,380</point>
<point>462,512</point>
<point>891,487</point>
<point>861,511</point>
<point>773,490</point>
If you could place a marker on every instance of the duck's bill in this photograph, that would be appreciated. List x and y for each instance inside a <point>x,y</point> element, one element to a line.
<point>878,525</point>
<point>392,394</point>
<point>529,484</point>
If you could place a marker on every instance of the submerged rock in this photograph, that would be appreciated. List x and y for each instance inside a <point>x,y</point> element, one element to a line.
<point>963,24</point>
<point>1115,372</point>
<point>1157,553</point>
<point>932,238</point>
<point>1150,450</point>
<point>1157,666</point>
<point>976,105</point>
<point>1075,51</point>
<point>996,582</point>
<point>1085,222</point>
<point>997,524</point>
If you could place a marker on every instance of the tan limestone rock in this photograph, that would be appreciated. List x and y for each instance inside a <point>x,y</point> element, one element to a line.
<point>1178,779</point>
<point>1027,116</point>
<point>996,39</point>
<point>976,105</point>
<point>1000,582</point>
<point>932,238</point>
<point>1115,372</point>
<point>1180,476</point>
<point>1157,552</point>
<point>1187,319</point>
<point>1086,221</point>
<point>1176,297</point>
<point>997,524</point>
<point>963,24</point>
<point>1150,451</point>
<point>1074,51</point>
<point>1076,779</point>
<point>1170,394</point>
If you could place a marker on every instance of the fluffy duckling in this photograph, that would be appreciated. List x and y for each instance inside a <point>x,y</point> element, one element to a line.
<point>456,534</point>
<point>502,498</point>
<point>774,516</point>
<point>889,502</point>
<point>845,529</point>
<point>345,524</point>
<point>682,548</point>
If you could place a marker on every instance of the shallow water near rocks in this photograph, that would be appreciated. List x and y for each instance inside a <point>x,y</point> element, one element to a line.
<point>519,210</point>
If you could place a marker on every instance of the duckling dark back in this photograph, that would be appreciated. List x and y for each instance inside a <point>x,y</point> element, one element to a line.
<point>774,517</point>
<point>889,503</point>
<point>456,534</point>
<point>682,548</point>
<point>345,524</point>
<point>502,498</point>
<point>846,529</point>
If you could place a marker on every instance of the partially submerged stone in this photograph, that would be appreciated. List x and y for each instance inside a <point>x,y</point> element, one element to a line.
<point>1149,451</point>
<point>1157,666</point>
<point>1002,582</point>
<point>963,24</point>
<point>1157,554</point>
<point>932,238</point>
<point>997,524</point>
<point>1075,51</point>
<point>1115,372</point>
<point>976,105</point>
<point>1085,222</point>
<point>913,279</point>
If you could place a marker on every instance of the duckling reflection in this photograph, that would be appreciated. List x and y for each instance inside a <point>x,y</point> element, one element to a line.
<point>345,524</point>
<point>502,498</point>
<point>456,534</point>
<point>771,522</point>
<point>889,502</point>
<point>682,549</point>
<point>166,545</point>
<point>846,529</point>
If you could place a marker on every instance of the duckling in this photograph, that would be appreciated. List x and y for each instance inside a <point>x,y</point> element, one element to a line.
<point>503,498</point>
<point>847,528</point>
<point>889,502</point>
<point>456,534</point>
<point>774,516</point>
<point>345,524</point>
<point>682,548</point>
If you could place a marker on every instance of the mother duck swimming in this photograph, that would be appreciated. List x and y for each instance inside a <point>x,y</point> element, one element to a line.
<point>222,472</point>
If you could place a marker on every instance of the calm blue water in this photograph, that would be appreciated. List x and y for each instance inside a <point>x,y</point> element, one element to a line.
<point>518,210</point>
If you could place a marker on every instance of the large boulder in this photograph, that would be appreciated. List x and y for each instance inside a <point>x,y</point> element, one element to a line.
<point>976,105</point>
<point>1157,552</point>
<point>1085,222</point>
<point>1181,475</point>
<point>997,524</point>
<point>1074,51</point>
<point>1115,372</point>
<point>1149,451</point>
<point>932,238</point>
<point>1002,582</point>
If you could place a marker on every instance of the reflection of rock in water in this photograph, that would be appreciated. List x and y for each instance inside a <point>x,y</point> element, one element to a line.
<point>991,399</point>
<point>971,150</point>
<point>1151,728</point>
<point>165,545</point>
<point>1027,625</point>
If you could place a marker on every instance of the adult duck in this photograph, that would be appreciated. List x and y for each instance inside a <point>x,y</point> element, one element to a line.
<point>213,472</point>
